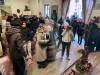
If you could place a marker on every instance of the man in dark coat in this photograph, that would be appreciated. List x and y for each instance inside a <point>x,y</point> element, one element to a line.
<point>93,36</point>
<point>60,36</point>
<point>16,50</point>
<point>86,31</point>
<point>15,18</point>
<point>80,31</point>
<point>34,25</point>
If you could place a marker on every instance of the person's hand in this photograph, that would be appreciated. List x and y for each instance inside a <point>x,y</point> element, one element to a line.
<point>31,31</point>
<point>24,41</point>
<point>92,42</point>
<point>47,40</point>
<point>27,57</point>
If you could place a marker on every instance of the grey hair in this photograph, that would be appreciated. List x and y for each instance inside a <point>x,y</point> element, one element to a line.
<point>8,23</point>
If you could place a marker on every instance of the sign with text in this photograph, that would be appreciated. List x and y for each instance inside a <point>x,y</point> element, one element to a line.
<point>27,13</point>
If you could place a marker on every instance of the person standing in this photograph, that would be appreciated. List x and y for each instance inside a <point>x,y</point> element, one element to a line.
<point>41,47</point>
<point>93,36</point>
<point>16,49</point>
<point>86,31</point>
<point>80,31</point>
<point>61,28</point>
<point>26,35</point>
<point>66,39</point>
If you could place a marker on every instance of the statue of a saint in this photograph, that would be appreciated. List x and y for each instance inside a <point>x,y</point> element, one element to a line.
<point>85,54</point>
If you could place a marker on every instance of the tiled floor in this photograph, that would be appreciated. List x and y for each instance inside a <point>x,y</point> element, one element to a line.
<point>59,65</point>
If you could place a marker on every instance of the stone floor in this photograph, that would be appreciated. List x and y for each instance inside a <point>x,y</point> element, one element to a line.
<point>59,65</point>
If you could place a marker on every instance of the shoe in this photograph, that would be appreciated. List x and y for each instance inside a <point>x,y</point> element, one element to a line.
<point>68,58</point>
<point>45,65</point>
<point>40,66</point>
<point>61,57</point>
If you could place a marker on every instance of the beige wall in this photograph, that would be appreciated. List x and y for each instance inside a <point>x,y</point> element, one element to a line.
<point>97,2</point>
<point>39,7</point>
<point>34,5</point>
<point>17,4</point>
<point>53,2</point>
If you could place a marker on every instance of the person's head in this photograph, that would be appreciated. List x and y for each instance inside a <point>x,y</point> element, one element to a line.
<point>67,18</point>
<point>41,28</point>
<point>43,18</point>
<point>9,18</point>
<point>80,20</point>
<point>8,25</point>
<point>65,24</point>
<point>14,16</point>
<point>46,21</point>
<point>96,22</point>
<point>51,22</point>
<point>23,24</point>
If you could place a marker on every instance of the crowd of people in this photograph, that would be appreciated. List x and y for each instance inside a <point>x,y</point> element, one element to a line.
<point>90,32</point>
<point>21,31</point>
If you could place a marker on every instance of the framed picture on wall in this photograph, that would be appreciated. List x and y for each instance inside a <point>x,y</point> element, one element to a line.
<point>5,11</point>
<point>54,12</point>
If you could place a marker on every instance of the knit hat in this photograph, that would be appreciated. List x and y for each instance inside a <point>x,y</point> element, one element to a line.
<point>65,24</point>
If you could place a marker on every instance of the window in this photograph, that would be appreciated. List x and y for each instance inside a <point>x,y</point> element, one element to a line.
<point>75,8</point>
<point>46,10</point>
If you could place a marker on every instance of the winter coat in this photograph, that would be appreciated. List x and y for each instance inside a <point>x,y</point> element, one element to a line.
<point>66,35</point>
<point>26,34</point>
<point>80,28</point>
<point>40,51</point>
<point>15,43</point>
<point>93,35</point>
<point>86,31</point>
<point>34,26</point>
<point>74,24</point>
<point>61,28</point>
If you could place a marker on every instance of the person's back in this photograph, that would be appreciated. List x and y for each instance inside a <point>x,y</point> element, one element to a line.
<point>16,49</point>
<point>15,43</point>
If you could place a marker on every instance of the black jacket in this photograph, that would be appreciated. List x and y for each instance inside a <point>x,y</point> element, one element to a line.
<point>93,35</point>
<point>26,34</point>
<point>60,31</point>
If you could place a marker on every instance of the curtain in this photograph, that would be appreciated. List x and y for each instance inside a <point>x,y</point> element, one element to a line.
<point>65,7</point>
<point>87,8</point>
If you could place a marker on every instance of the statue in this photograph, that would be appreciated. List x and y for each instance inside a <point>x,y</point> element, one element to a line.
<point>85,54</point>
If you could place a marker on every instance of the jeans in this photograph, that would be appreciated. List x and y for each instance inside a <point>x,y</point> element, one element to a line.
<point>79,39</point>
<point>27,48</point>
<point>64,44</point>
<point>60,40</point>
<point>19,66</point>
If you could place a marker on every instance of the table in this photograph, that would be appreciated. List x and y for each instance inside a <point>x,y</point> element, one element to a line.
<point>5,65</point>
